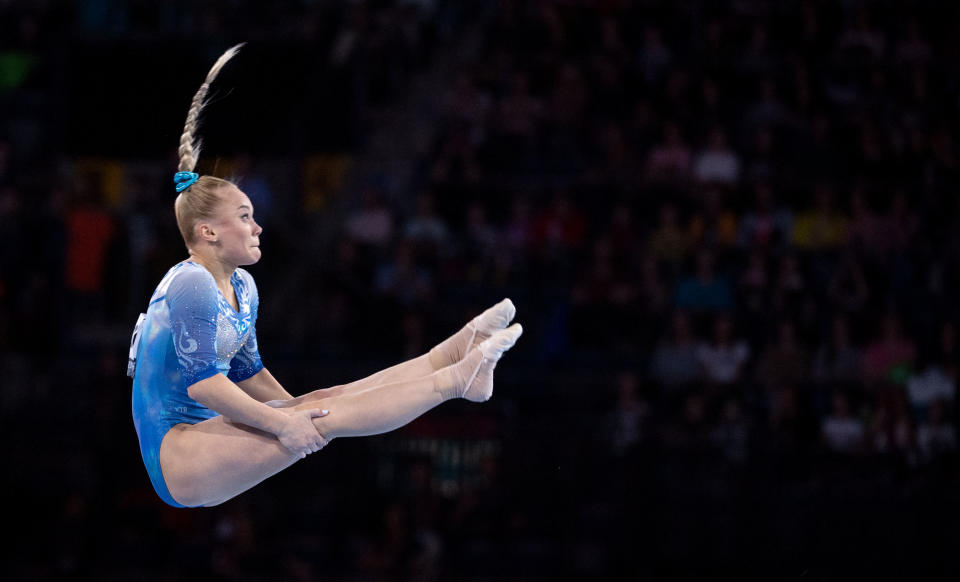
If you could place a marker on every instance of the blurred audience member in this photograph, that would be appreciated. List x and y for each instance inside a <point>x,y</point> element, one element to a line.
<point>625,423</point>
<point>890,355</point>
<point>841,431</point>
<point>822,227</point>
<point>675,362</point>
<point>704,291</point>
<point>783,362</point>
<point>936,437</point>
<point>723,359</point>
<point>838,361</point>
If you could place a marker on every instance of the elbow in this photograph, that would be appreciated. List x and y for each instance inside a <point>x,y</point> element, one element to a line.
<point>194,392</point>
<point>199,391</point>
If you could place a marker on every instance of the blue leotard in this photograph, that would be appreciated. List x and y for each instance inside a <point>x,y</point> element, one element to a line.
<point>190,332</point>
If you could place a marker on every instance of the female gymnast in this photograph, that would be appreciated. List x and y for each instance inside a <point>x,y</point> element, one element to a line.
<point>211,419</point>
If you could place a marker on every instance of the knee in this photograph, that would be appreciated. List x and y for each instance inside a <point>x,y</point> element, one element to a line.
<point>325,428</point>
<point>323,393</point>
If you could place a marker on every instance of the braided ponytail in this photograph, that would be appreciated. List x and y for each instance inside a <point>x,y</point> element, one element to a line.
<point>199,200</point>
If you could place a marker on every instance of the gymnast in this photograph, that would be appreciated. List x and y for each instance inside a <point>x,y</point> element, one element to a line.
<point>211,419</point>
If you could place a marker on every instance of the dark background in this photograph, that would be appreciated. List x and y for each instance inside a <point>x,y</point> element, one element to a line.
<point>730,229</point>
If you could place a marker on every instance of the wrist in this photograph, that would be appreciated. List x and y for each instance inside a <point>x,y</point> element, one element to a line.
<point>274,421</point>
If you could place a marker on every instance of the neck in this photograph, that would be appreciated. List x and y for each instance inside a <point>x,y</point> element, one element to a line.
<point>220,270</point>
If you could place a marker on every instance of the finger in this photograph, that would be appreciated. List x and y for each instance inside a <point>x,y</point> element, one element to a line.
<point>317,413</point>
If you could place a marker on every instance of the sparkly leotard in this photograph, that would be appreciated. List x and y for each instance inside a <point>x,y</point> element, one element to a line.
<point>189,333</point>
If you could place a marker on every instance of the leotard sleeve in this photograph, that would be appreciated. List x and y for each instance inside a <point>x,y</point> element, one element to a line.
<point>192,299</point>
<point>247,361</point>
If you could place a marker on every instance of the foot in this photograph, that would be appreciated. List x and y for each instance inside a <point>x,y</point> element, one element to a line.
<point>481,327</point>
<point>472,377</point>
<point>481,388</point>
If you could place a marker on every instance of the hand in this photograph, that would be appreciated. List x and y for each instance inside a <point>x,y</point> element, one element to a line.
<point>299,434</point>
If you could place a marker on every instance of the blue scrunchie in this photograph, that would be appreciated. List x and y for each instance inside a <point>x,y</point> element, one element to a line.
<point>184,180</point>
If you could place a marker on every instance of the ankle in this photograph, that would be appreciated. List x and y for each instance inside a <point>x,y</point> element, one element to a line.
<point>454,380</point>
<point>453,349</point>
<point>438,358</point>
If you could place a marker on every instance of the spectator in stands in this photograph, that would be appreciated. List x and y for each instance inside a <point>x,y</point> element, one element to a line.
<point>713,224</point>
<point>401,278</point>
<point>732,432</point>
<point>790,287</point>
<point>890,355</point>
<point>717,162</point>
<point>467,106</point>
<point>765,224</point>
<point>891,428</point>
<point>821,227</point>
<point>674,363</point>
<point>668,243</point>
<point>426,228</point>
<point>561,227</point>
<point>704,291</point>
<point>847,290</point>
<point>936,437</point>
<point>723,359</point>
<point>625,423</point>
<point>785,361</point>
<point>931,381</point>
<point>90,230</point>
<point>669,160</point>
<point>373,223</point>
<point>838,361</point>
<point>841,431</point>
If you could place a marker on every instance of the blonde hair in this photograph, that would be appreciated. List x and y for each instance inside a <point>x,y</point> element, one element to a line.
<point>200,200</point>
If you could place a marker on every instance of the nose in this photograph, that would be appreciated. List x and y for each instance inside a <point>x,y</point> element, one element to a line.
<point>257,228</point>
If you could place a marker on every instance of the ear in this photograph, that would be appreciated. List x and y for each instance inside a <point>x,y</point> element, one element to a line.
<point>205,232</point>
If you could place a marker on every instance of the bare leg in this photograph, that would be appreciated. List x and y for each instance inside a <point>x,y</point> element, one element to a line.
<point>386,407</point>
<point>212,461</point>
<point>419,367</point>
<point>446,353</point>
<point>209,462</point>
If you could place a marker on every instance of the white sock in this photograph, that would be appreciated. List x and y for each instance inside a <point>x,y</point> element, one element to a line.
<point>472,377</point>
<point>454,348</point>
<point>480,388</point>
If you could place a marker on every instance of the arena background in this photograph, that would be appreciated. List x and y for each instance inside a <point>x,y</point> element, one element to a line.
<point>730,229</point>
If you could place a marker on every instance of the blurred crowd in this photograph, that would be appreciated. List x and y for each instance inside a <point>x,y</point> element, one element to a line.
<point>750,209</point>
<point>730,229</point>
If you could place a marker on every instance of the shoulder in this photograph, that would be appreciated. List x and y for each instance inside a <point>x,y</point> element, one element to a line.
<point>188,279</point>
<point>191,273</point>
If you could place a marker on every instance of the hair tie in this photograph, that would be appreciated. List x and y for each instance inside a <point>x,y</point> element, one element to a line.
<point>184,180</point>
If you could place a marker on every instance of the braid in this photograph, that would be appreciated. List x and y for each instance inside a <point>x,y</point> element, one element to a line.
<point>189,150</point>
<point>200,199</point>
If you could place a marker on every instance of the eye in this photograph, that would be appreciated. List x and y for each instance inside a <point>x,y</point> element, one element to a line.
<point>245,216</point>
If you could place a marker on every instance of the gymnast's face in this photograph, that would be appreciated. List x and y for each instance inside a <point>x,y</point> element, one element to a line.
<point>234,234</point>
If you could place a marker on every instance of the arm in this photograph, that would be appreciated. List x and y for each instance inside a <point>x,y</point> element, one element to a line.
<point>234,402</point>
<point>192,300</point>
<point>295,430</point>
<point>262,387</point>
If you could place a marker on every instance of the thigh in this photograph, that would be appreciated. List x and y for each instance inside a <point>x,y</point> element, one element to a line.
<point>214,460</point>
<point>321,394</point>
